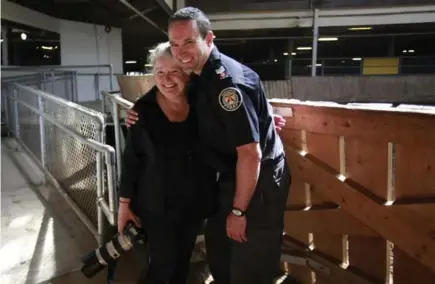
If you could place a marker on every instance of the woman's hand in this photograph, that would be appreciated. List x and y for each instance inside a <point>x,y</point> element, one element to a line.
<point>124,215</point>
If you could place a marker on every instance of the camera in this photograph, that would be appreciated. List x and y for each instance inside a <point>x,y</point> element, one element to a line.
<point>106,254</point>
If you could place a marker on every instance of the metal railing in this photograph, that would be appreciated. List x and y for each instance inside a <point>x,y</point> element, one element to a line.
<point>62,83</point>
<point>68,142</point>
<point>117,101</point>
<point>49,78</point>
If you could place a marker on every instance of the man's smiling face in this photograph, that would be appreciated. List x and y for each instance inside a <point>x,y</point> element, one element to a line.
<point>187,45</point>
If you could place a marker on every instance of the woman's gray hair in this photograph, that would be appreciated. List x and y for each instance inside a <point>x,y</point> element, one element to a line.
<point>161,49</point>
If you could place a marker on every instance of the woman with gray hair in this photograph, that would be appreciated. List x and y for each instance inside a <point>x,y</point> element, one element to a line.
<point>166,187</point>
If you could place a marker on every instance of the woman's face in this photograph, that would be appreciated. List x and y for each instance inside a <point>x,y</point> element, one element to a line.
<point>169,77</point>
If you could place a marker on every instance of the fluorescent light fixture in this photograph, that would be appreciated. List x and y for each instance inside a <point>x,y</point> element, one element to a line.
<point>293,53</point>
<point>360,28</point>
<point>317,65</point>
<point>148,65</point>
<point>276,60</point>
<point>304,48</point>
<point>411,51</point>
<point>285,53</point>
<point>328,38</point>
<point>1,40</point>
<point>405,51</point>
<point>130,62</point>
<point>47,47</point>
<point>356,59</point>
<point>23,36</point>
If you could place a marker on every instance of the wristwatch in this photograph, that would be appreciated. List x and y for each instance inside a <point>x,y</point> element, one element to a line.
<point>237,212</point>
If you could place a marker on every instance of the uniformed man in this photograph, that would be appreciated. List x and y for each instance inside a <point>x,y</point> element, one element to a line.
<point>244,238</point>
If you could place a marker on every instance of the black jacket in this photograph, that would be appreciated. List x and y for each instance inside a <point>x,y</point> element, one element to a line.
<point>144,178</point>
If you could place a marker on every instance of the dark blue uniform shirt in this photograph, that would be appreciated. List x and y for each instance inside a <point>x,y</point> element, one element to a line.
<point>232,111</point>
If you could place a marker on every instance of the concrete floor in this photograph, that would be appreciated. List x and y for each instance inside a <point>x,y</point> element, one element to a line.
<point>42,239</point>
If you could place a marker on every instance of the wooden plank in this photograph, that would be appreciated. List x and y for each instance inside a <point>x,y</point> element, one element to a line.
<point>328,267</point>
<point>349,196</point>
<point>297,199</point>
<point>415,172</point>
<point>332,221</point>
<point>338,221</point>
<point>367,164</point>
<point>407,270</point>
<point>325,148</point>
<point>415,179</point>
<point>388,126</point>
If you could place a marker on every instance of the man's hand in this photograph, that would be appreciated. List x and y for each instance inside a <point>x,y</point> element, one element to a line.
<point>236,228</point>
<point>279,122</point>
<point>132,117</point>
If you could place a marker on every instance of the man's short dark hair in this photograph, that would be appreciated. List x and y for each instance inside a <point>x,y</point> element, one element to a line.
<point>194,14</point>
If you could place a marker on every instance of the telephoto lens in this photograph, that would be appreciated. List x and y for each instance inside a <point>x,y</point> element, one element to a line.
<point>98,259</point>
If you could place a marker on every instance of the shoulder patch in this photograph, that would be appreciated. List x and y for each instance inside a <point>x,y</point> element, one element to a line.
<point>230,99</point>
<point>222,72</point>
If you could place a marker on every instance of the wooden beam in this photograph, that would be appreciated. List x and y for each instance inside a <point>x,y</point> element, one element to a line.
<point>339,222</point>
<point>323,264</point>
<point>349,196</point>
<point>389,126</point>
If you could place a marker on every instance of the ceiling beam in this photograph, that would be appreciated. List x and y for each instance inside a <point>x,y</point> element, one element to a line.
<point>165,6</point>
<point>131,7</point>
<point>327,18</point>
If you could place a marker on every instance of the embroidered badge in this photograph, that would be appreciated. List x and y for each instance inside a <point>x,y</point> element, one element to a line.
<point>221,72</point>
<point>230,99</point>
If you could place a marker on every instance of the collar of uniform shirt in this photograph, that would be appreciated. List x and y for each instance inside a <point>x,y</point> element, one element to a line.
<point>209,66</point>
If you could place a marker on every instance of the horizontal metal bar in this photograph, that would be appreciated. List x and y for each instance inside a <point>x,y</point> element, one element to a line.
<point>33,80</point>
<point>308,37</point>
<point>54,67</point>
<point>97,146</point>
<point>116,97</point>
<point>98,117</point>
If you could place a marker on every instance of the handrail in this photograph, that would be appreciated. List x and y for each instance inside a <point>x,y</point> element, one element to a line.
<point>117,100</point>
<point>95,115</point>
<point>104,153</point>
<point>59,67</point>
<point>97,146</point>
<point>50,67</point>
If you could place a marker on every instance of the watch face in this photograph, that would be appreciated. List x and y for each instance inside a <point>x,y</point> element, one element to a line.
<point>237,212</point>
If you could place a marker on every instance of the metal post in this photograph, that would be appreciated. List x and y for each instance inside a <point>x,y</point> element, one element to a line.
<point>17,124</point>
<point>66,83</point>
<point>315,39</point>
<point>42,130</point>
<point>6,106</point>
<point>97,86</point>
<point>52,82</point>
<point>323,68</point>
<point>75,87</point>
<point>115,115</point>
<point>42,85</point>
<point>71,81</point>
<point>289,61</point>
<point>100,216</point>
<point>112,184</point>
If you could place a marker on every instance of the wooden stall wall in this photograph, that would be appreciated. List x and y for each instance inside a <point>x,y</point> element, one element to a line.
<point>361,207</point>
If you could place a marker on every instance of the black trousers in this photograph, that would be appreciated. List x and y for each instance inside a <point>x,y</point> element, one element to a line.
<point>257,260</point>
<point>170,245</point>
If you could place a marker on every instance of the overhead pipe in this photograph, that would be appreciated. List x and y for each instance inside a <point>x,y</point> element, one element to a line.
<point>131,7</point>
